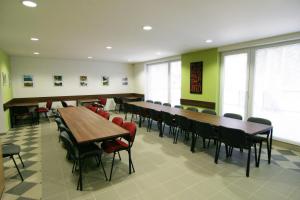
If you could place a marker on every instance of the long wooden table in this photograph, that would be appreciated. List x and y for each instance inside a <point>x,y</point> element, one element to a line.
<point>87,126</point>
<point>250,128</point>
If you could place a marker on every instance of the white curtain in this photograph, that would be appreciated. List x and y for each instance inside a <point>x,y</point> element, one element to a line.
<point>175,83</point>
<point>276,89</point>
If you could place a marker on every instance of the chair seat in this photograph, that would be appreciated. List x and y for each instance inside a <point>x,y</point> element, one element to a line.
<point>257,139</point>
<point>114,145</point>
<point>10,149</point>
<point>41,110</point>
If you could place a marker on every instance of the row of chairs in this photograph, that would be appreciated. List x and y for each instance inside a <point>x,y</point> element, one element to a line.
<point>99,111</point>
<point>92,150</point>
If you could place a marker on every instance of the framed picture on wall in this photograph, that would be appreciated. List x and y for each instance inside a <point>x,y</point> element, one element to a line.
<point>196,73</point>
<point>58,80</point>
<point>27,80</point>
<point>83,81</point>
<point>124,81</point>
<point>105,80</point>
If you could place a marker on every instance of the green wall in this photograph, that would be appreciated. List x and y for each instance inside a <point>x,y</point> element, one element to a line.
<point>6,89</point>
<point>211,75</point>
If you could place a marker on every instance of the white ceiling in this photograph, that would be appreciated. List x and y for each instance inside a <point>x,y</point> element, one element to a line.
<point>77,29</point>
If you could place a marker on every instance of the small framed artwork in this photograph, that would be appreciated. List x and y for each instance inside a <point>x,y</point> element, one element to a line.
<point>58,80</point>
<point>105,81</point>
<point>196,73</point>
<point>124,81</point>
<point>27,80</point>
<point>83,81</point>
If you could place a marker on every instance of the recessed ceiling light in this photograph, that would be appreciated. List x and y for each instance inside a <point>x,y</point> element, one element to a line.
<point>158,53</point>
<point>208,41</point>
<point>34,39</point>
<point>30,4</point>
<point>90,57</point>
<point>36,53</point>
<point>109,47</point>
<point>147,28</point>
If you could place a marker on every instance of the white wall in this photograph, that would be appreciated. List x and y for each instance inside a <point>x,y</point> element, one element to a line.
<point>139,77</point>
<point>43,70</point>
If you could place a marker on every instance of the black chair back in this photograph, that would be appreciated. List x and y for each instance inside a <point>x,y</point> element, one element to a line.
<point>64,104</point>
<point>167,104</point>
<point>234,137</point>
<point>167,118</point>
<point>233,115</point>
<point>69,145</point>
<point>211,112</point>
<point>155,115</point>
<point>178,106</point>
<point>149,101</point>
<point>259,120</point>
<point>205,130</point>
<point>183,123</point>
<point>192,109</point>
<point>157,102</point>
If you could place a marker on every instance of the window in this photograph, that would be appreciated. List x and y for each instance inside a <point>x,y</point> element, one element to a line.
<point>164,82</point>
<point>273,83</point>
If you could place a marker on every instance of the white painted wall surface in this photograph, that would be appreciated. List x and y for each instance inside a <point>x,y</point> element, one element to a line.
<point>43,69</point>
<point>139,77</point>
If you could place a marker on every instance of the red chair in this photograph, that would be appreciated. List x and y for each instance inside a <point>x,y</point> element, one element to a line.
<point>102,101</point>
<point>118,121</point>
<point>44,110</point>
<point>117,145</point>
<point>92,108</point>
<point>103,113</point>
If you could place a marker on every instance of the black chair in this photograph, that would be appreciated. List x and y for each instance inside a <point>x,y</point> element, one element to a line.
<point>168,120</point>
<point>155,116</point>
<point>184,125</point>
<point>64,104</point>
<point>233,115</point>
<point>149,101</point>
<point>211,112</point>
<point>157,102</point>
<point>9,150</point>
<point>204,130</point>
<point>192,109</point>
<point>167,104</point>
<point>144,115</point>
<point>178,106</point>
<point>79,153</point>
<point>264,137</point>
<point>119,103</point>
<point>22,113</point>
<point>239,139</point>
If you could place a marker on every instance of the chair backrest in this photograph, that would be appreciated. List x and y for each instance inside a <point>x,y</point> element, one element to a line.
<point>103,113</point>
<point>167,104</point>
<point>183,123</point>
<point>259,120</point>
<point>155,115</point>
<point>178,106</point>
<point>49,104</point>
<point>62,128</point>
<point>192,109</point>
<point>70,145</point>
<point>205,130</point>
<point>131,127</point>
<point>233,137</point>
<point>157,102</point>
<point>167,118</point>
<point>64,104</point>
<point>211,112</point>
<point>149,101</point>
<point>102,100</point>
<point>117,100</point>
<point>233,115</point>
<point>58,121</point>
<point>118,121</point>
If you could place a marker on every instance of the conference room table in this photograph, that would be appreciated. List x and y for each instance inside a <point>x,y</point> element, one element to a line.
<point>88,127</point>
<point>250,128</point>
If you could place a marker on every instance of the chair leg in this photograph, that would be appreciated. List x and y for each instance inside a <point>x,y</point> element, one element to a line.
<point>17,167</point>
<point>163,128</point>
<point>119,155</point>
<point>268,150</point>
<point>217,153</point>
<point>21,160</point>
<point>112,166</point>
<point>248,162</point>
<point>259,153</point>
<point>101,163</point>
<point>255,154</point>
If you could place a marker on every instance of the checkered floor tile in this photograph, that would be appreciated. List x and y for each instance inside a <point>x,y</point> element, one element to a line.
<point>29,138</point>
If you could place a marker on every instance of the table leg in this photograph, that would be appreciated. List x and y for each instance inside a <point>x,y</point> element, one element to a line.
<point>193,142</point>
<point>159,124</point>
<point>140,121</point>
<point>270,147</point>
<point>80,174</point>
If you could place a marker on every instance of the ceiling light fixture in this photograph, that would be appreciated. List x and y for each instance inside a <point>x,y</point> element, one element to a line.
<point>147,28</point>
<point>109,47</point>
<point>34,39</point>
<point>158,53</point>
<point>29,3</point>
<point>90,57</point>
<point>36,53</point>
<point>208,41</point>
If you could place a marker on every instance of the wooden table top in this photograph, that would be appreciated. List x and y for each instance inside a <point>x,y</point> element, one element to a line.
<point>248,127</point>
<point>24,105</point>
<point>87,126</point>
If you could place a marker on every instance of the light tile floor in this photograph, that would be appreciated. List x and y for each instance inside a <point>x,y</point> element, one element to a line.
<point>165,171</point>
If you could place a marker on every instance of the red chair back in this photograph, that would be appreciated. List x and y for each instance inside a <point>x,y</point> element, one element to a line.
<point>106,115</point>
<point>49,104</point>
<point>131,127</point>
<point>102,100</point>
<point>118,121</point>
<point>92,108</point>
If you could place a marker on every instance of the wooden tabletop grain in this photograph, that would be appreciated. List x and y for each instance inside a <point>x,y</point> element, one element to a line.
<point>87,126</point>
<point>248,127</point>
